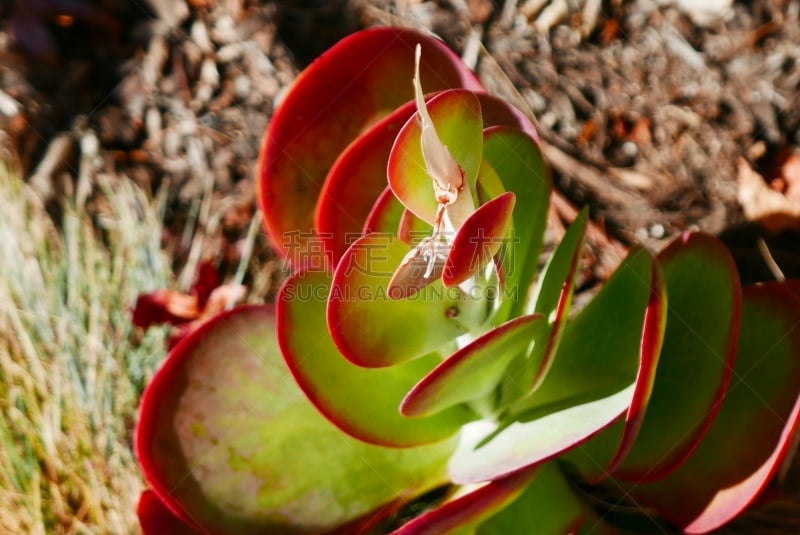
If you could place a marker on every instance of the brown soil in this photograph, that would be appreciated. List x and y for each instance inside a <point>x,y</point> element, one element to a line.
<point>643,118</point>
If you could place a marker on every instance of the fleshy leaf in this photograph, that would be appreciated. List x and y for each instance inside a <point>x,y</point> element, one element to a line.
<point>548,506</point>
<point>227,439</point>
<point>754,427</point>
<point>370,328</point>
<point>553,295</point>
<point>358,81</point>
<point>489,183</point>
<point>700,342</point>
<point>385,214</point>
<point>494,450</point>
<point>362,402</point>
<point>552,298</point>
<point>470,508</point>
<point>155,518</point>
<point>498,112</point>
<point>582,394</point>
<point>411,229</point>
<point>478,239</point>
<point>602,455</point>
<point>355,182</point>
<point>474,370</point>
<point>518,161</point>
<point>557,280</point>
<point>353,186</point>
<point>456,114</point>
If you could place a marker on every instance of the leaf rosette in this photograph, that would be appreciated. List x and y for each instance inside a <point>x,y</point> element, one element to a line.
<point>415,334</point>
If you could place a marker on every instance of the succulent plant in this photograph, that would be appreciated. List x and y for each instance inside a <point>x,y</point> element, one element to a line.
<point>415,344</point>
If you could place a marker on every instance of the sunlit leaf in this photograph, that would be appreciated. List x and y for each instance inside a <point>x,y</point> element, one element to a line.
<point>456,115</point>
<point>363,402</point>
<point>372,329</point>
<point>478,239</point>
<point>754,427</point>
<point>474,370</point>
<point>354,183</point>
<point>552,298</point>
<point>593,381</point>
<point>227,439</point>
<point>699,343</point>
<point>468,509</point>
<point>494,450</point>
<point>353,85</point>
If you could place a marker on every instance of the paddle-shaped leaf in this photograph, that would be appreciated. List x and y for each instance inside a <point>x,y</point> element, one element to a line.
<point>456,115</point>
<point>478,239</point>
<point>155,518</point>
<point>385,215</point>
<point>754,427</point>
<point>603,454</point>
<point>492,450</point>
<point>594,379</point>
<point>474,370</point>
<point>411,229</point>
<point>362,402</point>
<point>370,328</point>
<point>547,506</point>
<point>355,182</point>
<point>361,79</point>
<point>552,298</point>
<point>469,508</point>
<point>227,440</point>
<point>557,280</point>
<point>517,160</point>
<point>361,170</point>
<point>700,342</point>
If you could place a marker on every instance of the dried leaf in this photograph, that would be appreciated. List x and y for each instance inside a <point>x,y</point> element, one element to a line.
<point>774,210</point>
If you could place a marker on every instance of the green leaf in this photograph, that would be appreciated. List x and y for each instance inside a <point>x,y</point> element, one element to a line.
<point>593,380</point>
<point>552,298</point>
<point>385,215</point>
<point>753,429</point>
<point>411,229</point>
<point>478,239</point>
<point>700,342</point>
<point>361,79</point>
<point>227,439</point>
<point>557,280</point>
<point>354,183</point>
<point>518,161</point>
<point>548,506</point>
<point>363,402</point>
<point>473,371</point>
<point>490,450</point>
<point>456,115</point>
<point>605,452</point>
<point>463,512</point>
<point>600,349</point>
<point>372,329</point>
